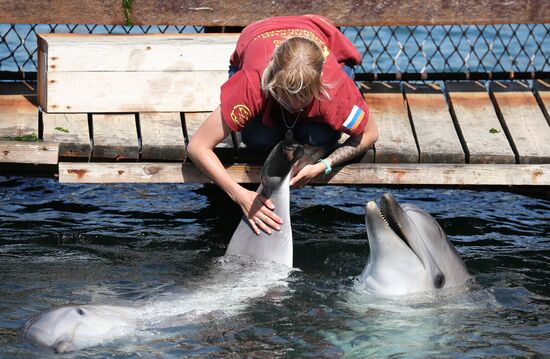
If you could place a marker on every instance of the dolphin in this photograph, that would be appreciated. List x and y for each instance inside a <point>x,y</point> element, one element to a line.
<point>274,184</point>
<point>76,327</point>
<point>284,160</point>
<point>409,251</point>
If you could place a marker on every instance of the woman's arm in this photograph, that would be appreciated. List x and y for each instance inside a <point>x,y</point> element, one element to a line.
<point>256,208</point>
<point>351,148</point>
<point>355,145</point>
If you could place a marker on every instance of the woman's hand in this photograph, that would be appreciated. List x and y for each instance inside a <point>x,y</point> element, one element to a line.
<point>307,174</point>
<point>258,210</point>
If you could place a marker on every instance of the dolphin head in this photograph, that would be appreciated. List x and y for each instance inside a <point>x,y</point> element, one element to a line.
<point>409,251</point>
<point>278,164</point>
<point>71,328</point>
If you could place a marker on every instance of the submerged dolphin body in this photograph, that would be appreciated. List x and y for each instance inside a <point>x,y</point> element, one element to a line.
<point>72,328</point>
<point>409,251</point>
<point>76,327</point>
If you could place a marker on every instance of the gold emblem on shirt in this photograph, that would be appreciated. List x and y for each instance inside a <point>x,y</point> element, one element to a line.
<point>288,33</point>
<point>240,115</point>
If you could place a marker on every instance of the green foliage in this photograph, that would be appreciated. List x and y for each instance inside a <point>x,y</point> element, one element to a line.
<point>25,138</point>
<point>494,130</point>
<point>62,129</point>
<point>127,6</point>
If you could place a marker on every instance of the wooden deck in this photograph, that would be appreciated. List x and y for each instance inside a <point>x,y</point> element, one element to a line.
<point>467,133</point>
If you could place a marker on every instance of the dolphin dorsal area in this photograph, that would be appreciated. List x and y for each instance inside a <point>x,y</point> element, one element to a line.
<point>275,178</point>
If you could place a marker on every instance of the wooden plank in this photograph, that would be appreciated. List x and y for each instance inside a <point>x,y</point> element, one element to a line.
<point>71,131</point>
<point>387,105</point>
<point>80,92</point>
<point>484,137</point>
<point>162,136</point>
<point>41,78</point>
<point>115,136</point>
<point>29,152</point>
<point>18,110</point>
<point>542,89</point>
<point>368,157</point>
<point>360,173</point>
<point>242,12</point>
<point>441,174</point>
<point>155,52</point>
<point>225,149</point>
<point>436,136</point>
<point>524,121</point>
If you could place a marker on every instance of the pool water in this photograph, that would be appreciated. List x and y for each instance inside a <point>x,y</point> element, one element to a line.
<point>159,246</point>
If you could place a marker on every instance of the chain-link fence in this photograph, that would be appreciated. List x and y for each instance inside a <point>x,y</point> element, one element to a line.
<point>386,50</point>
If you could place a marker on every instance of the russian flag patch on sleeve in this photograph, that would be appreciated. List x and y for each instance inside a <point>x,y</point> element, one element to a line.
<point>354,118</point>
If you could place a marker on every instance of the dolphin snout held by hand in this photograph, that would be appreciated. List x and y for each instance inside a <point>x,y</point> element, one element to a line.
<point>409,251</point>
<point>73,328</point>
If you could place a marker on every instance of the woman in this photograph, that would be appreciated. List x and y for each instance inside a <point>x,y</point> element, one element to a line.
<point>289,76</point>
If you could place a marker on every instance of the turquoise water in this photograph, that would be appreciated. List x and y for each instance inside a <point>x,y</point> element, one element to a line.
<point>161,245</point>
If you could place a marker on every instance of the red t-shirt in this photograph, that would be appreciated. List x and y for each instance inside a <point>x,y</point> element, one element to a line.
<point>243,99</point>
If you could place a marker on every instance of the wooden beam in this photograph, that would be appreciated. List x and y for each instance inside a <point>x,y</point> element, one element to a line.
<point>243,12</point>
<point>18,110</point>
<point>360,173</point>
<point>79,92</point>
<point>524,121</point>
<point>144,52</point>
<point>483,135</point>
<point>124,172</point>
<point>388,108</point>
<point>115,136</point>
<point>162,136</point>
<point>71,131</point>
<point>29,152</point>
<point>542,89</point>
<point>436,136</point>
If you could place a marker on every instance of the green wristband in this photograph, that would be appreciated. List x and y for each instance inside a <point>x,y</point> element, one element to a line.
<point>329,167</point>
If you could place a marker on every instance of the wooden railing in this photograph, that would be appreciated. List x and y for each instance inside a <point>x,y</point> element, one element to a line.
<point>239,13</point>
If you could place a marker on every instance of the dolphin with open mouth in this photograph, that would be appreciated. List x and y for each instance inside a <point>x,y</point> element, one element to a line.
<point>409,251</point>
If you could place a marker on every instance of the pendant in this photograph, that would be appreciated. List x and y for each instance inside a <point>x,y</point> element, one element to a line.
<point>289,142</point>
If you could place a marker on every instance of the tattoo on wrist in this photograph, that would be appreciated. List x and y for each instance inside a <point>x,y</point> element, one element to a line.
<point>351,148</point>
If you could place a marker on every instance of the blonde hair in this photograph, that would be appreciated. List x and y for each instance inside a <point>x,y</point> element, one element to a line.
<point>295,71</point>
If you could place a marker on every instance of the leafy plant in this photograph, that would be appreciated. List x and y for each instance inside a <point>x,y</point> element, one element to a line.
<point>62,129</point>
<point>127,6</point>
<point>25,138</point>
<point>494,130</point>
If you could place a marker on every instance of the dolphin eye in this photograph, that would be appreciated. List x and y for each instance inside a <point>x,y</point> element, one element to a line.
<point>439,281</point>
<point>80,311</point>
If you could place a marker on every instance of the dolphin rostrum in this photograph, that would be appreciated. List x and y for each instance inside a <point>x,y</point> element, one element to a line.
<point>409,251</point>
<point>76,327</point>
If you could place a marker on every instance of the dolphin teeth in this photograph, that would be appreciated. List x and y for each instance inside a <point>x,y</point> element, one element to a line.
<point>384,218</point>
